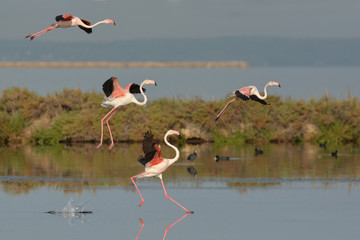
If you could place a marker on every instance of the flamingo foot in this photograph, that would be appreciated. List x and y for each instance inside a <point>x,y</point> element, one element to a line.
<point>192,212</point>
<point>30,36</point>
<point>141,203</point>
<point>98,146</point>
<point>111,146</point>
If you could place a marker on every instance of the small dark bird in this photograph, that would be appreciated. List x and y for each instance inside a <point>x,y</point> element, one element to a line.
<point>323,145</point>
<point>334,154</point>
<point>192,171</point>
<point>192,156</point>
<point>258,151</point>
<point>217,158</point>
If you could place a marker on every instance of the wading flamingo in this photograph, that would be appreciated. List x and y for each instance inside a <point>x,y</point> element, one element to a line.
<point>155,164</point>
<point>247,93</point>
<point>116,96</point>
<point>66,21</point>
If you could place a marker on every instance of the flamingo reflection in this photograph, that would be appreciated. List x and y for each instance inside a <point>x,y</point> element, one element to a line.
<point>167,228</point>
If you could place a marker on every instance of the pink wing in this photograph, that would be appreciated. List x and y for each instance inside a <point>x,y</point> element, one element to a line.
<point>156,160</point>
<point>245,91</point>
<point>127,87</point>
<point>111,87</point>
<point>86,22</point>
<point>64,17</point>
<point>133,88</point>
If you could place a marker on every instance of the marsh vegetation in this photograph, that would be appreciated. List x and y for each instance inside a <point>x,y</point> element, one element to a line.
<point>72,115</point>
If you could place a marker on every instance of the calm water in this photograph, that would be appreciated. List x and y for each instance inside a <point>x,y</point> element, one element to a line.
<point>289,192</point>
<point>298,82</point>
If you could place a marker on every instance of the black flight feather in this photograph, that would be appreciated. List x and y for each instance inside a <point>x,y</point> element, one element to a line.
<point>148,148</point>
<point>255,98</point>
<point>241,96</point>
<point>59,18</point>
<point>88,30</point>
<point>142,160</point>
<point>135,88</point>
<point>108,87</point>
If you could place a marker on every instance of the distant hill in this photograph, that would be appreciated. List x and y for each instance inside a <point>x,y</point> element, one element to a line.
<point>258,51</point>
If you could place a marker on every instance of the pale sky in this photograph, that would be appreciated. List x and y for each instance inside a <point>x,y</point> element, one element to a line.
<point>183,18</point>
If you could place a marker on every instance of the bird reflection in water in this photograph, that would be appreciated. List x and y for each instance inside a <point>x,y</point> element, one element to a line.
<point>192,171</point>
<point>167,228</point>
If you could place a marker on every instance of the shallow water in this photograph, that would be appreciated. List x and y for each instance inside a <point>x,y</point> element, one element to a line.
<point>289,192</point>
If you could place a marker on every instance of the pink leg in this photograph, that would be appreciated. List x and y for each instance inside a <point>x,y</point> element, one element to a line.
<point>170,226</point>
<point>142,225</point>
<point>39,33</point>
<point>132,179</point>
<point>222,111</point>
<point>167,196</point>
<point>107,123</point>
<point>102,127</point>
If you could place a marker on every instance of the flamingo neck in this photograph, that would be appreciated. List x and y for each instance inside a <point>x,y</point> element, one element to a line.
<point>142,93</point>
<point>265,93</point>
<point>91,26</point>
<point>177,153</point>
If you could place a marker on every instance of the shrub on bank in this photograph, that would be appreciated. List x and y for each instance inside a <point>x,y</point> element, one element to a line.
<point>72,115</point>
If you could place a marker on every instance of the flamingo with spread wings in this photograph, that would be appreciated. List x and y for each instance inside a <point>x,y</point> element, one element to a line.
<point>66,21</point>
<point>116,96</point>
<point>154,163</point>
<point>247,93</point>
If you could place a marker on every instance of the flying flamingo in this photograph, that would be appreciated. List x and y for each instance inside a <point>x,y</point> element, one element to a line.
<point>66,21</point>
<point>155,164</point>
<point>247,93</point>
<point>116,96</point>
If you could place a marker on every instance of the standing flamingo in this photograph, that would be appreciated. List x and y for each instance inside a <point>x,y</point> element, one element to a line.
<point>116,96</point>
<point>66,21</point>
<point>155,164</point>
<point>247,93</point>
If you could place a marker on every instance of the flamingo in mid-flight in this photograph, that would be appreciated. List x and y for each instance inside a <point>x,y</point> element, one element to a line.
<point>66,21</point>
<point>116,96</point>
<point>155,164</point>
<point>247,93</point>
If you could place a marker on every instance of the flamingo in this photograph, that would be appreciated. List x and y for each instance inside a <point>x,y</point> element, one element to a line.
<point>66,21</point>
<point>247,93</point>
<point>155,164</point>
<point>116,96</point>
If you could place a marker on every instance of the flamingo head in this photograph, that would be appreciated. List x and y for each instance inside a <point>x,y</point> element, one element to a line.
<point>170,132</point>
<point>274,84</point>
<point>109,21</point>
<point>147,81</point>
